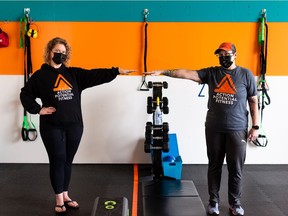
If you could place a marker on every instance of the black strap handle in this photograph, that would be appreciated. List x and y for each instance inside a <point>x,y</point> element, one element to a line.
<point>29,134</point>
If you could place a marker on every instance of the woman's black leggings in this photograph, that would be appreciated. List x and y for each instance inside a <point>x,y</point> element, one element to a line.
<point>61,146</point>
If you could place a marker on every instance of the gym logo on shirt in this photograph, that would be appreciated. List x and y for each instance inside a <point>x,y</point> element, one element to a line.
<point>225,91</point>
<point>63,89</point>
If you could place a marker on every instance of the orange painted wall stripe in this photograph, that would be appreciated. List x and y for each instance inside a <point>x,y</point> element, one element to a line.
<point>135,192</point>
<point>170,45</point>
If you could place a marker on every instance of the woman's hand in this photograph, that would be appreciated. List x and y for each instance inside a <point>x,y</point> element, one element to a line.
<point>125,72</point>
<point>47,110</point>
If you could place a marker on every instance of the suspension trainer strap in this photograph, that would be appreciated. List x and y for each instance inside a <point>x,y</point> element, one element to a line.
<point>262,86</point>
<point>144,83</point>
<point>28,132</point>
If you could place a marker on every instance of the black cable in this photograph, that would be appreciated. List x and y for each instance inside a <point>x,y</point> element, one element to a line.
<point>145,48</point>
<point>144,83</point>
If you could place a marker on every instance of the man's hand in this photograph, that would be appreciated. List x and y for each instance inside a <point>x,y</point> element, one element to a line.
<point>252,135</point>
<point>153,73</point>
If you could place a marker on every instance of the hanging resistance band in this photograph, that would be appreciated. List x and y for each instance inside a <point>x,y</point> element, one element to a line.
<point>28,132</point>
<point>262,86</point>
<point>144,83</point>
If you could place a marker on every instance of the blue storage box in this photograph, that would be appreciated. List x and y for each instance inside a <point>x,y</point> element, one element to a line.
<point>172,161</point>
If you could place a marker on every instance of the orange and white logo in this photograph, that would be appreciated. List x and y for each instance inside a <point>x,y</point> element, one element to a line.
<point>63,89</point>
<point>226,86</point>
<point>61,84</point>
<point>225,91</point>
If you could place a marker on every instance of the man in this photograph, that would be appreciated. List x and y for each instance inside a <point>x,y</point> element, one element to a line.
<point>226,126</point>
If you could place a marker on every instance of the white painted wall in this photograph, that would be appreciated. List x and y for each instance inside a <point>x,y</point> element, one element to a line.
<point>115,117</point>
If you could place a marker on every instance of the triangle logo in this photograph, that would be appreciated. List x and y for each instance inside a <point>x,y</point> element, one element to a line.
<point>226,86</point>
<point>61,84</point>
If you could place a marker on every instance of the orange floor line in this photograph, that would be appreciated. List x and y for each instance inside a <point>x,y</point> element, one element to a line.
<point>135,192</point>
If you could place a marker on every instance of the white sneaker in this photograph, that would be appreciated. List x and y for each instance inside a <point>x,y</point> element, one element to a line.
<point>212,208</point>
<point>237,210</point>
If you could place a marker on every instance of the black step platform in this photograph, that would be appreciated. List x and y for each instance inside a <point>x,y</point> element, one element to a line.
<point>171,198</point>
<point>113,206</point>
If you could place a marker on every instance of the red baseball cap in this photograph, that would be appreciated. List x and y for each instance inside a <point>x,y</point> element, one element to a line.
<point>226,46</point>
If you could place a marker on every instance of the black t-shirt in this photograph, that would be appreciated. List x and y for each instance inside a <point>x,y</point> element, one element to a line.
<point>228,94</point>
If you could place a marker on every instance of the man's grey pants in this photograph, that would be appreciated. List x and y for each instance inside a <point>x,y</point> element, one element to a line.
<point>233,146</point>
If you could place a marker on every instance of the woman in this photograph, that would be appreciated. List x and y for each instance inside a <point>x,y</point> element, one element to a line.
<point>61,125</point>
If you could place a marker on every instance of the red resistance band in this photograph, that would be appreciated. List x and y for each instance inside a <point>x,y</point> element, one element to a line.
<point>4,39</point>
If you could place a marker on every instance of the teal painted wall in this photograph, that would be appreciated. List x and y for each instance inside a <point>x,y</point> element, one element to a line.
<point>132,11</point>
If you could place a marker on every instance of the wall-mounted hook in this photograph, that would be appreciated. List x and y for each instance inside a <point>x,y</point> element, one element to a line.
<point>26,11</point>
<point>263,13</point>
<point>145,13</point>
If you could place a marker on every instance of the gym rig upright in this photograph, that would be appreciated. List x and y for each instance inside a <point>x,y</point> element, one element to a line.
<point>156,134</point>
<point>166,194</point>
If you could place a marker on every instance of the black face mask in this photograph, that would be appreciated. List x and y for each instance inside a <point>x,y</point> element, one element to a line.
<point>225,61</point>
<point>59,58</point>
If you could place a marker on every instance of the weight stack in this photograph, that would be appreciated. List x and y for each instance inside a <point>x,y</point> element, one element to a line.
<point>112,206</point>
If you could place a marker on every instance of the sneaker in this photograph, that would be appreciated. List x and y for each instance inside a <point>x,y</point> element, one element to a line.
<point>237,210</point>
<point>213,209</point>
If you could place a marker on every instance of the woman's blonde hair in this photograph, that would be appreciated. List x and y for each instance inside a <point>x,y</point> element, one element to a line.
<point>51,44</point>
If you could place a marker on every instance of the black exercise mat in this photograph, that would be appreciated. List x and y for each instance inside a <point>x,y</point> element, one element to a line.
<point>25,189</point>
